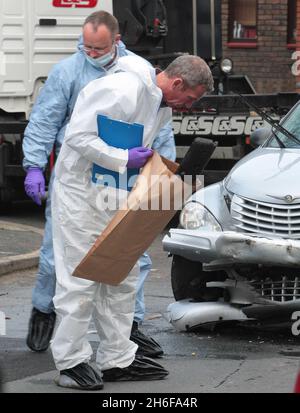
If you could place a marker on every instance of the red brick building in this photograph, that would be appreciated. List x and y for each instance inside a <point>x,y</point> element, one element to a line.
<point>260,36</point>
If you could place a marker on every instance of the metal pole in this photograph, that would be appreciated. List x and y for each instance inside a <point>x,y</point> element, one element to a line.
<point>213,29</point>
<point>195,37</point>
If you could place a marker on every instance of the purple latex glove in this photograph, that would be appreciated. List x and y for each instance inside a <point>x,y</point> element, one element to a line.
<point>137,157</point>
<point>35,185</point>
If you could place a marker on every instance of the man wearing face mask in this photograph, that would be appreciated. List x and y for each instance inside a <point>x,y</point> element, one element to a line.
<point>97,56</point>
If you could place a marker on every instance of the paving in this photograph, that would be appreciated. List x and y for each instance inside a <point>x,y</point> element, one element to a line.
<point>19,246</point>
<point>233,361</point>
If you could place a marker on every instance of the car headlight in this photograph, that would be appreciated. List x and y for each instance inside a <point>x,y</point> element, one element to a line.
<point>195,216</point>
<point>226,65</point>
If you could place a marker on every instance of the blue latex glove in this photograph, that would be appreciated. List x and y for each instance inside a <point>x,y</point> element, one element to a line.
<point>137,157</point>
<point>35,185</point>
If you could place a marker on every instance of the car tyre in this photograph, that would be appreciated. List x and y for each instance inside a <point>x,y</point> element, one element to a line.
<point>184,274</point>
<point>188,280</point>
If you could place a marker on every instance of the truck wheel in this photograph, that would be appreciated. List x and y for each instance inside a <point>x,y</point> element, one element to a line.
<point>5,205</point>
<point>189,280</point>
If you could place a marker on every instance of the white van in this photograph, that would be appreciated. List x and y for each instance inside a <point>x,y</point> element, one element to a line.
<point>34,35</point>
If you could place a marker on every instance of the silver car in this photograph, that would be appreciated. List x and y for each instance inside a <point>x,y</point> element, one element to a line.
<point>236,252</point>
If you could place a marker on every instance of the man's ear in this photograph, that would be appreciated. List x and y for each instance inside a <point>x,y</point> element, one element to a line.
<point>117,38</point>
<point>177,83</point>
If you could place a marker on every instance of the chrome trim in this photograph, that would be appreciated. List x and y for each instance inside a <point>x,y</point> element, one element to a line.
<point>282,290</point>
<point>262,218</point>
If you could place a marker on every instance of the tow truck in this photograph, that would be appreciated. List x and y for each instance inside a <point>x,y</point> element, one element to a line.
<point>37,34</point>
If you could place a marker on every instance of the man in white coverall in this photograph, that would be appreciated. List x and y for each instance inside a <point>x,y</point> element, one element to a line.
<point>132,94</point>
<point>98,51</point>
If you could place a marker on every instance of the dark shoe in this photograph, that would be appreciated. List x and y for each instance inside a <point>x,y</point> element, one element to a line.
<point>140,369</point>
<point>41,326</point>
<point>80,377</point>
<point>147,346</point>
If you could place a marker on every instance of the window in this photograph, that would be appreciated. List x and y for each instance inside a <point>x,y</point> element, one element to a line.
<point>291,29</point>
<point>242,21</point>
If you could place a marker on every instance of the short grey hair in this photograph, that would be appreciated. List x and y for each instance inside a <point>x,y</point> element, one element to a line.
<point>103,17</point>
<point>193,70</point>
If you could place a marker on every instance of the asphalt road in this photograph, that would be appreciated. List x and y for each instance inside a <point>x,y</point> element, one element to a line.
<point>231,359</point>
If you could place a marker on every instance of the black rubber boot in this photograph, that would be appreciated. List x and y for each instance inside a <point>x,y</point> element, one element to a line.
<point>148,347</point>
<point>140,369</point>
<point>80,377</point>
<point>40,330</point>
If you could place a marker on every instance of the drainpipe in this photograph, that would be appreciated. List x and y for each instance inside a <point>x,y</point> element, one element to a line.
<point>195,28</point>
<point>298,42</point>
<point>213,29</point>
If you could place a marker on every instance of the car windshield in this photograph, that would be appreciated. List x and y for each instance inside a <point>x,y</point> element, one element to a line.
<point>290,123</point>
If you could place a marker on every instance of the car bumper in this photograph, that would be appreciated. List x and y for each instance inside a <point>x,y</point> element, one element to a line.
<point>222,248</point>
<point>187,314</point>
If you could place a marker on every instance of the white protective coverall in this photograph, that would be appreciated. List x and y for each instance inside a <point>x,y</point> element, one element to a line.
<point>129,95</point>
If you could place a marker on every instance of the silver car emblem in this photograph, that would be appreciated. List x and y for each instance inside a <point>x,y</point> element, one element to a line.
<point>286,198</point>
<point>289,198</point>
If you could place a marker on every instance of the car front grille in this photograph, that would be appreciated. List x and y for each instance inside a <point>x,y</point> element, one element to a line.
<point>266,219</point>
<point>285,289</point>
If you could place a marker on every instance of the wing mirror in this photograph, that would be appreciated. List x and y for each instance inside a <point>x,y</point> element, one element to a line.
<point>259,136</point>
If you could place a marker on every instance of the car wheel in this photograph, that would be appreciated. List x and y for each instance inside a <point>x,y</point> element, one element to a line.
<point>183,273</point>
<point>189,280</point>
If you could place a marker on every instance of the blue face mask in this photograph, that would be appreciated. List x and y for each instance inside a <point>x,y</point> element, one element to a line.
<point>102,61</point>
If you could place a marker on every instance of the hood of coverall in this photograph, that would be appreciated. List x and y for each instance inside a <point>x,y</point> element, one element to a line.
<point>139,66</point>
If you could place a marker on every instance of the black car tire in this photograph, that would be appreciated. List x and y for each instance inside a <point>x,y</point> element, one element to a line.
<point>189,280</point>
<point>184,273</point>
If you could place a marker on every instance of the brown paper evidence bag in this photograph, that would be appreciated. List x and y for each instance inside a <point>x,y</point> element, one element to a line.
<point>135,225</point>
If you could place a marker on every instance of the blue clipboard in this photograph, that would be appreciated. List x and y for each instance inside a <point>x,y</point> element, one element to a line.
<point>121,135</point>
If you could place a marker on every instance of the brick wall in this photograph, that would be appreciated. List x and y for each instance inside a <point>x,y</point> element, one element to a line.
<point>268,65</point>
